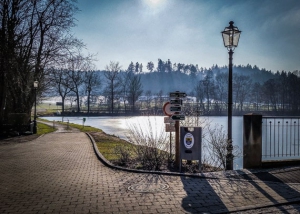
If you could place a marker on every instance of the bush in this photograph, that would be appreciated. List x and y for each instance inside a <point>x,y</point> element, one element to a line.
<point>152,145</point>
<point>124,154</point>
<point>216,145</point>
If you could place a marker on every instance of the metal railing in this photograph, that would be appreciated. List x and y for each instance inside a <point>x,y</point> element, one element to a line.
<point>280,138</point>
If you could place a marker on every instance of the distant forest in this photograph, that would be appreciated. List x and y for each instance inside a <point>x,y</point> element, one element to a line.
<point>145,89</point>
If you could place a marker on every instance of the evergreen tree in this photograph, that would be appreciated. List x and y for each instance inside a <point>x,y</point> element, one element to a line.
<point>141,68</point>
<point>150,66</point>
<point>160,66</point>
<point>131,67</point>
<point>137,67</point>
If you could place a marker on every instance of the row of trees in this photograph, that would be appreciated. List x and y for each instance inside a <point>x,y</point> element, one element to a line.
<point>77,80</point>
<point>166,66</point>
<point>279,93</point>
<point>209,87</point>
<point>34,36</point>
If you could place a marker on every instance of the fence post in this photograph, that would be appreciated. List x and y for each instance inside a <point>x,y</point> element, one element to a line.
<point>252,141</point>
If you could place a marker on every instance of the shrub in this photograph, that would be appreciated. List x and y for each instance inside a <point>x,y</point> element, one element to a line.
<point>152,144</point>
<point>124,154</point>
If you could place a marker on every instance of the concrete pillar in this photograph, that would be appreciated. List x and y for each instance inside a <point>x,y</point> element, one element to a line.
<point>252,140</point>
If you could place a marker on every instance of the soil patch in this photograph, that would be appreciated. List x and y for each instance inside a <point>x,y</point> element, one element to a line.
<point>18,139</point>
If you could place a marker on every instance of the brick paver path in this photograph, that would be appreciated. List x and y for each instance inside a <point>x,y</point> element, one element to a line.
<point>60,173</point>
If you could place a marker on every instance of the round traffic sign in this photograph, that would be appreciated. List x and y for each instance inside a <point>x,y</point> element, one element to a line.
<point>166,109</point>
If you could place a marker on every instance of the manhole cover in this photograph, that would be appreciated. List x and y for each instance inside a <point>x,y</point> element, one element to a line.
<point>148,188</point>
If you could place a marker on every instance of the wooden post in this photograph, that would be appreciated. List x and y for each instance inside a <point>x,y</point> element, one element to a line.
<point>170,157</point>
<point>177,144</point>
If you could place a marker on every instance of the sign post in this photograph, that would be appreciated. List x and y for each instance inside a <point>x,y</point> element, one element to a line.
<point>177,144</point>
<point>176,107</point>
<point>83,121</point>
<point>172,109</point>
<point>169,124</point>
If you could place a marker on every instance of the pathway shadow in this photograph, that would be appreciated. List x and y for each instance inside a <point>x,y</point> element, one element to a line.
<point>201,197</point>
<point>284,192</point>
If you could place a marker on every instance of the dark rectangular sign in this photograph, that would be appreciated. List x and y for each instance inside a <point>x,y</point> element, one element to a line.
<point>59,103</point>
<point>175,108</point>
<point>178,117</point>
<point>176,102</point>
<point>177,94</point>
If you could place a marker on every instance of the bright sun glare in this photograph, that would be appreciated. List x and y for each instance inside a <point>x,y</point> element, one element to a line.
<point>154,3</point>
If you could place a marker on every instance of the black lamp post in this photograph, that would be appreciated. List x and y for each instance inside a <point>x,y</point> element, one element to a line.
<point>35,86</point>
<point>231,36</point>
<point>88,101</point>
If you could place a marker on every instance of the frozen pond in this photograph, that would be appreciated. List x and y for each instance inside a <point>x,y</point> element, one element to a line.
<point>119,126</point>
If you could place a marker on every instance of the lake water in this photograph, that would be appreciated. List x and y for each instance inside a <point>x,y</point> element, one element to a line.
<point>119,126</point>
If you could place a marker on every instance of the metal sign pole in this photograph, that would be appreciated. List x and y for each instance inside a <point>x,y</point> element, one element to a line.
<point>177,144</point>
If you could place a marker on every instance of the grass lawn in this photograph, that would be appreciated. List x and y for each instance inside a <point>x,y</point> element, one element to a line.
<point>109,144</point>
<point>44,129</point>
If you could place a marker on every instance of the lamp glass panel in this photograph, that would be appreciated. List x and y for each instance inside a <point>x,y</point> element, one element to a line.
<point>226,38</point>
<point>236,38</point>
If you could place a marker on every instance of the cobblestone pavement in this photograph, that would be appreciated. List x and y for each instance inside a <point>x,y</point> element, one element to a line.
<point>60,173</point>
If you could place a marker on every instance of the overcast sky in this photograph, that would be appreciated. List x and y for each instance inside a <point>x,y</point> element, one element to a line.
<point>189,31</point>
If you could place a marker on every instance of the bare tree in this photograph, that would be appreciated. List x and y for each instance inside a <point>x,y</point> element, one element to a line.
<point>199,88</point>
<point>134,89</point>
<point>62,84</point>
<point>77,65</point>
<point>111,74</point>
<point>92,83</point>
<point>148,95</point>
<point>208,86</point>
<point>256,95</point>
<point>158,100</point>
<point>33,34</point>
<point>221,88</point>
<point>123,80</point>
<point>270,92</point>
<point>241,85</point>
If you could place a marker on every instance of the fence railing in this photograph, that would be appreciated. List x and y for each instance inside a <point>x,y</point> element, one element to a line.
<point>270,141</point>
<point>280,138</point>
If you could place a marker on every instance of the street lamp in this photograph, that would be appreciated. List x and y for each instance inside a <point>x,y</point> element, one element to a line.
<point>231,36</point>
<point>89,92</point>
<point>35,86</point>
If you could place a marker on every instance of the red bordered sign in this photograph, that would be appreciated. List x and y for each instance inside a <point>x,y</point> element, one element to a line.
<point>166,109</point>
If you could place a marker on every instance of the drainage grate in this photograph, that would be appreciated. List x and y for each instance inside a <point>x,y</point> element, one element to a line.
<point>148,188</point>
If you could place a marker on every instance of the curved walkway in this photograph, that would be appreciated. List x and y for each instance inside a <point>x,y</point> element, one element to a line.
<point>60,173</point>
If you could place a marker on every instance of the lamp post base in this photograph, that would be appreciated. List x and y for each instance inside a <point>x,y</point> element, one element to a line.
<point>229,156</point>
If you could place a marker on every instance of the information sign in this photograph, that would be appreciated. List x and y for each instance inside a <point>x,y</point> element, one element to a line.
<point>177,94</point>
<point>178,117</point>
<point>175,108</point>
<point>176,102</point>
<point>170,128</point>
<point>168,120</point>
